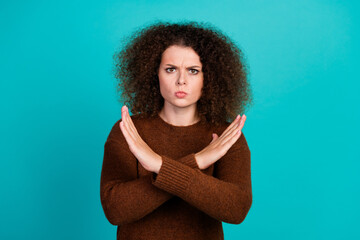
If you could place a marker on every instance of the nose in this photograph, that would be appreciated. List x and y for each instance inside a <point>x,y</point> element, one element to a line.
<point>181,79</point>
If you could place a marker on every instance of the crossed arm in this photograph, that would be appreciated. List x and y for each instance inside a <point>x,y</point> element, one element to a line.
<point>124,198</point>
<point>226,196</point>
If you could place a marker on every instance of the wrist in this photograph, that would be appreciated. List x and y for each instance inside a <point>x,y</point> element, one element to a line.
<point>158,164</point>
<point>198,160</point>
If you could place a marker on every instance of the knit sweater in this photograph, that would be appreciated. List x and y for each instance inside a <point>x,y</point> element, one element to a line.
<point>181,201</point>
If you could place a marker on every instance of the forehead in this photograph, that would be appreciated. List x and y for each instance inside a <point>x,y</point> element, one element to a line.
<point>179,54</point>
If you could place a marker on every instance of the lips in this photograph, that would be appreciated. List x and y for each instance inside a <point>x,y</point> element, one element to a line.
<point>180,94</point>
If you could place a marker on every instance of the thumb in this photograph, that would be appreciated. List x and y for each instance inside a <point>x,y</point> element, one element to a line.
<point>215,136</point>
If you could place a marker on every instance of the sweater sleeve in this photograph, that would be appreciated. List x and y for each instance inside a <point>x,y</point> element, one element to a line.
<point>124,197</point>
<point>226,196</point>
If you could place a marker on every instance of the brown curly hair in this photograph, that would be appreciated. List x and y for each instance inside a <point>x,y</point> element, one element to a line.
<point>226,90</point>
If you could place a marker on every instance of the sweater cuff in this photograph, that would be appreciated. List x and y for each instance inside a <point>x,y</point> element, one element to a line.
<point>189,160</point>
<point>173,177</point>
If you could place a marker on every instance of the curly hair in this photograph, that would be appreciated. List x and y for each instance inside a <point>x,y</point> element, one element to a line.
<point>226,90</point>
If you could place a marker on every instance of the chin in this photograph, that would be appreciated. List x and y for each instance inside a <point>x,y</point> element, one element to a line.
<point>184,105</point>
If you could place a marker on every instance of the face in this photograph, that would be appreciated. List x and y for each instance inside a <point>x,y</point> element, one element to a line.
<point>180,70</point>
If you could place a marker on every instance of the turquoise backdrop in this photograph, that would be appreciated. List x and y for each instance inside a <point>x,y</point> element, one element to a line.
<point>58,105</point>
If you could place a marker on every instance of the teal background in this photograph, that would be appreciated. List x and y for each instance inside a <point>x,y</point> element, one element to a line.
<point>58,105</point>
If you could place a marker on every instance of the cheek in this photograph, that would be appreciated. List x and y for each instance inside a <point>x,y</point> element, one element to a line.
<point>164,88</point>
<point>199,85</point>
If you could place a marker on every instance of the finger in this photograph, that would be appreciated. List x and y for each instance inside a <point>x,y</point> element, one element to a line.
<point>131,126</point>
<point>231,138</point>
<point>125,133</point>
<point>125,117</point>
<point>236,131</point>
<point>122,118</point>
<point>242,123</point>
<point>123,108</point>
<point>123,114</point>
<point>129,120</point>
<point>125,122</point>
<point>231,126</point>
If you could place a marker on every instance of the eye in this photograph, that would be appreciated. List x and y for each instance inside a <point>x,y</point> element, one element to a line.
<point>170,70</point>
<point>194,71</point>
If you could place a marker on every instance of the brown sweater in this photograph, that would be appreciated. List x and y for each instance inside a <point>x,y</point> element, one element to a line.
<point>181,201</point>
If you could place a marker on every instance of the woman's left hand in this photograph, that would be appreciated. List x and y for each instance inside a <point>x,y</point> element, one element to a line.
<point>150,160</point>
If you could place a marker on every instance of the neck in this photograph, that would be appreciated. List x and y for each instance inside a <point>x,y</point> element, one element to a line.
<point>180,117</point>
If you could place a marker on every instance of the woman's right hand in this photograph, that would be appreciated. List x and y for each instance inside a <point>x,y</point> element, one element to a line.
<point>219,146</point>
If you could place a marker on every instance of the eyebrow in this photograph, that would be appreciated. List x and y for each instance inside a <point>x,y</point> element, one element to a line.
<point>187,67</point>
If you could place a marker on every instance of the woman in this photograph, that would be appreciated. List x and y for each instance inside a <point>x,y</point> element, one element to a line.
<point>177,169</point>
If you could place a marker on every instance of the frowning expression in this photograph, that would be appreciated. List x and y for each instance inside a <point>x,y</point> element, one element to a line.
<point>180,70</point>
